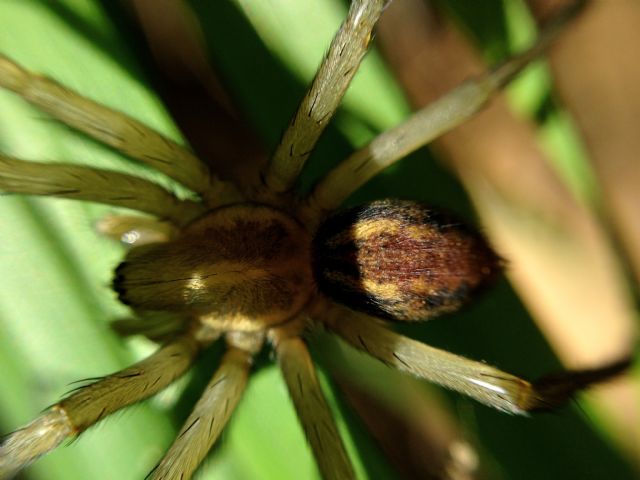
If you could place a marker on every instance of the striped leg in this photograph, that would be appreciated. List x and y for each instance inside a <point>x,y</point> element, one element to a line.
<point>91,403</point>
<point>212,412</point>
<point>426,125</point>
<point>478,380</point>
<point>94,185</point>
<point>311,406</point>
<point>323,97</point>
<point>112,128</point>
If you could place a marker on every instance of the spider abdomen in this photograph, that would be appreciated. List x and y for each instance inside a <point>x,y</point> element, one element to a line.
<point>400,260</point>
<point>245,266</point>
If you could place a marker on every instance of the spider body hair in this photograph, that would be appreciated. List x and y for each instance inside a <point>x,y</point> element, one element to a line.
<point>401,260</point>
<point>246,265</point>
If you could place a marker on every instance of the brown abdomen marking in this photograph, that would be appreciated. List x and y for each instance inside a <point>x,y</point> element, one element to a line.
<point>400,260</point>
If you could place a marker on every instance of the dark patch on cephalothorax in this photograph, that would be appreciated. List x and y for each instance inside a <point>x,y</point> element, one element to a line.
<point>401,260</point>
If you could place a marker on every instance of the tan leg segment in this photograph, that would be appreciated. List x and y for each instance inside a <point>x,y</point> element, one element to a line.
<point>425,125</point>
<point>323,97</point>
<point>90,404</point>
<point>313,411</point>
<point>93,185</point>
<point>478,380</point>
<point>110,127</point>
<point>135,230</point>
<point>159,327</point>
<point>211,413</point>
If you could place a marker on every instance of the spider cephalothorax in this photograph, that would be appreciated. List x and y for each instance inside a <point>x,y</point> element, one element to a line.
<point>253,263</point>
<point>244,266</point>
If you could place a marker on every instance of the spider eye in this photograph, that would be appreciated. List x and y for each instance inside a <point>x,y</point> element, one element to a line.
<point>401,260</point>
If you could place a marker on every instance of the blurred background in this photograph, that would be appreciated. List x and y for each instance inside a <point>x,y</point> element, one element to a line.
<point>548,172</point>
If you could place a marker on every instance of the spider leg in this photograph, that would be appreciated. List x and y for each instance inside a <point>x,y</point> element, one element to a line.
<point>135,230</point>
<point>110,127</point>
<point>159,327</point>
<point>211,413</point>
<point>427,124</point>
<point>91,403</point>
<point>324,95</point>
<point>478,380</point>
<point>311,406</point>
<point>91,184</point>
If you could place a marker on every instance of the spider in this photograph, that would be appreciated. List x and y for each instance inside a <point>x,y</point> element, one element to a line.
<point>265,206</point>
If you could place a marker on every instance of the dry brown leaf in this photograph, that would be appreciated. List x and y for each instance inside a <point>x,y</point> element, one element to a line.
<point>597,76</point>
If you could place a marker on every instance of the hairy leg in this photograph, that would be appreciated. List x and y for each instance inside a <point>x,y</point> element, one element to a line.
<point>426,124</point>
<point>321,101</point>
<point>478,380</point>
<point>94,185</point>
<point>89,404</point>
<point>212,412</point>
<point>112,128</point>
<point>311,406</point>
